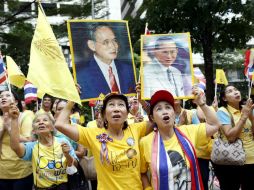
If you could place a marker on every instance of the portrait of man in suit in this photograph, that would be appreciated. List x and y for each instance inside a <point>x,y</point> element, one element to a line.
<point>166,66</point>
<point>102,70</point>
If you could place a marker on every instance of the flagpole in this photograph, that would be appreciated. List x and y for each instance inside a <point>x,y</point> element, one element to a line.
<point>250,86</point>
<point>92,112</point>
<point>215,89</point>
<point>7,79</point>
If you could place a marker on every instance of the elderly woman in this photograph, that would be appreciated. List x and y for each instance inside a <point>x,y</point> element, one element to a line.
<point>169,152</point>
<point>237,122</point>
<point>52,158</point>
<point>115,147</point>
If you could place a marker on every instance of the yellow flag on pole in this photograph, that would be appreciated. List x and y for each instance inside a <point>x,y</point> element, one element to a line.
<point>221,77</point>
<point>15,75</point>
<point>48,70</point>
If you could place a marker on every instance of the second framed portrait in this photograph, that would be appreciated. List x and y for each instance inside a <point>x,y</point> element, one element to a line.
<point>101,57</point>
<point>166,64</point>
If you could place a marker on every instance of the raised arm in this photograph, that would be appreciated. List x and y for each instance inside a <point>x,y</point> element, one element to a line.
<point>232,133</point>
<point>17,147</point>
<point>63,125</point>
<point>212,122</point>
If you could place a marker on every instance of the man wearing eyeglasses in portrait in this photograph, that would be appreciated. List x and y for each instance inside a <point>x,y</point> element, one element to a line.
<point>159,73</point>
<point>104,73</point>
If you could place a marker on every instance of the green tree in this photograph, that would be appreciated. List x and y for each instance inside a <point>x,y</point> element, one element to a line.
<point>213,25</point>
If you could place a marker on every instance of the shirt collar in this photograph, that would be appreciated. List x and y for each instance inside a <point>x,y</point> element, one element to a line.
<point>104,65</point>
<point>161,66</point>
<point>232,110</point>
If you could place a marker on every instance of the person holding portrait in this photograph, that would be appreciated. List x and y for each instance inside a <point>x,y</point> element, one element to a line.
<point>104,73</point>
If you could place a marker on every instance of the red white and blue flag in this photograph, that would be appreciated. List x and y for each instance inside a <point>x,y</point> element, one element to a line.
<point>30,92</point>
<point>2,70</point>
<point>161,169</point>
<point>200,77</point>
<point>248,63</point>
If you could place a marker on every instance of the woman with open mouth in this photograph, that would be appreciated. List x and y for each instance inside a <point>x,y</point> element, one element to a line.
<point>115,147</point>
<point>15,173</point>
<point>52,157</point>
<point>237,123</point>
<point>169,152</point>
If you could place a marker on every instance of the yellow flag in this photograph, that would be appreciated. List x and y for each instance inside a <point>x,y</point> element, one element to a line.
<point>15,75</point>
<point>48,70</point>
<point>221,77</point>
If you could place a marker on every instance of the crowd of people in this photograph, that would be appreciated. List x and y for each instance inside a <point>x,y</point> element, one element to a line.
<point>163,146</point>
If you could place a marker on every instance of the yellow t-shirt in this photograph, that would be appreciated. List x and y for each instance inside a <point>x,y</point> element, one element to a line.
<point>246,135</point>
<point>123,171</point>
<point>195,133</point>
<point>49,163</point>
<point>205,151</point>
<point>11,166</point>
<point>92,124</point>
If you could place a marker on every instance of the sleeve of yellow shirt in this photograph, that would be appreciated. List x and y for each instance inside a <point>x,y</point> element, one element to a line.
<point>26,125</point>
<point>140,127</point>
<point>84,135</point>
<point>143,164</point>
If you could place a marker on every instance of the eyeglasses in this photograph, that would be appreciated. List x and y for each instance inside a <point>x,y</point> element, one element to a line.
<point>107,43</point>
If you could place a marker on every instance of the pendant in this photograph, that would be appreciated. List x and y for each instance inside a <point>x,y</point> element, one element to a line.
<point>130,141</point>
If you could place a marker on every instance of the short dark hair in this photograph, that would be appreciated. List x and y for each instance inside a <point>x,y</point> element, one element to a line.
<point>117,96</point>
<point>222,102</point>
<point>93,27</point>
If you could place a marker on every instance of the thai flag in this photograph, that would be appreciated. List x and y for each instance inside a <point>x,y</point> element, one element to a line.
<point>249,72</point>
<point>248,62</point>
<point>2,70</point>
<point>202,84</point>
<point>30,92</point>
<point>201,78</point>
<point>198,74</point>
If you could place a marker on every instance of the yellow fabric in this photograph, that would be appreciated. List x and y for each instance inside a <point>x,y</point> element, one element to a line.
<point>123,172</point>
<point>195,133</point>
<point>91,124</point>
<point>26,121</point>
<point>221,77</point>
<point>246,135</point>
<point>11,166</point>
<point>15,75</point>
<point>48,70</point>
<point>206,150</point>
<point>45,176</point>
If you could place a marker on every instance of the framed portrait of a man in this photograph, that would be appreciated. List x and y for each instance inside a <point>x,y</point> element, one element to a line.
<point>166,64</point>
<point>102,57</point>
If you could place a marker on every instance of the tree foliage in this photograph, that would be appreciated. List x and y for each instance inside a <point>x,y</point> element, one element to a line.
<point>214,25</point>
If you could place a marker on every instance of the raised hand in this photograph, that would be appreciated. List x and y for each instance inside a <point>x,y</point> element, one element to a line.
<point>65,148</point>
<point>199,96</point>
<point>183,118</point>
<point>247,109</point>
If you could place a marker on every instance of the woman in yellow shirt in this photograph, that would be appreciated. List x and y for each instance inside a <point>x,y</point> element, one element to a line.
<point>237,122</point>
<point>169,152</point>
<point>15,173</point>
<point>115,147</point>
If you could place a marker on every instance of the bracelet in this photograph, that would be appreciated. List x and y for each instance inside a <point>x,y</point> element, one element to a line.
<point>202,104</point>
